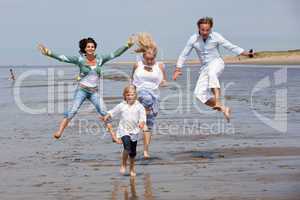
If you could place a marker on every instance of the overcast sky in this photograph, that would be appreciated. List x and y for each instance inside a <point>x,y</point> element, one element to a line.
<point>60,24</point>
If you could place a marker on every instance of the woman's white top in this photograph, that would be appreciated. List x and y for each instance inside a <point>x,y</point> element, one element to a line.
<point>131,116</point>
<point>91,79</point>
<point>145,80</point>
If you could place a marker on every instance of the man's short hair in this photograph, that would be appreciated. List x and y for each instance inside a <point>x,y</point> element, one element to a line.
<point>206,20</point>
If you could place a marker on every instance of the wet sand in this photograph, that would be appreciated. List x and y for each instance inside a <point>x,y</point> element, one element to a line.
<point>254,161</point>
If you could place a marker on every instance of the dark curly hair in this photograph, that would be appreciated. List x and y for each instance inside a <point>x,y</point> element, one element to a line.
<point>83,42</point>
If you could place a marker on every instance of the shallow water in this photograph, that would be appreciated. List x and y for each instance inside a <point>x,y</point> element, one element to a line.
<point>190,156</point>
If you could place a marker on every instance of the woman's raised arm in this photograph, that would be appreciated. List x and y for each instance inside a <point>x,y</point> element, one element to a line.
<point>60,57</point>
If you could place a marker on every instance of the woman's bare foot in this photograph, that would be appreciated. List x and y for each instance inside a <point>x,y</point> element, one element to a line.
<point>227,113</point>
<point>146,155</point>
<point>57,135</point>
<point>122,169</point>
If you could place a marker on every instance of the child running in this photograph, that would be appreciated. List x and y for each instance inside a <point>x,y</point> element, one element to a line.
<point>132,121</point>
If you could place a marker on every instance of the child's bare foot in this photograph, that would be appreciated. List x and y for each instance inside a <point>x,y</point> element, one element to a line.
<point>132,173</point>
<point>122,169</point>
<point>132,170</point>
<point>227,113</point>
<point>146,155</point>
<point>57,135</point>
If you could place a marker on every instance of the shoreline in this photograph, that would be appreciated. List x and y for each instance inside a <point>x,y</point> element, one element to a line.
<point>291,57</point>
<point>273,60</point>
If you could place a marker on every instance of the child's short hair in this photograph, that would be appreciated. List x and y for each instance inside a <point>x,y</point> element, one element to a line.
<point>127,89</point>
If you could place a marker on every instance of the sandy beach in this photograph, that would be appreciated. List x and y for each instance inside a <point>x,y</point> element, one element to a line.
<point>195,154</point>
<point>291,57</point>
<point>267,58</point>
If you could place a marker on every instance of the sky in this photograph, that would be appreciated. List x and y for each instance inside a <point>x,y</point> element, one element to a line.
<point>60,24</point>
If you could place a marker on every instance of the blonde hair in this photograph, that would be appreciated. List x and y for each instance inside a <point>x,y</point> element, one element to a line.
<point>127,89</point>
<point>145,43</point>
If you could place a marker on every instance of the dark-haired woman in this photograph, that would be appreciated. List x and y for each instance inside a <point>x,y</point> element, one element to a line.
<point>90,66</point>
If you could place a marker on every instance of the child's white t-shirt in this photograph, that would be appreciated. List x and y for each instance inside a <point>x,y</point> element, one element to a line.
<point>131,116</point>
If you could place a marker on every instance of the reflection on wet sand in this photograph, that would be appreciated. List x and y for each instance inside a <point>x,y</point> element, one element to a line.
<point>121,189</point>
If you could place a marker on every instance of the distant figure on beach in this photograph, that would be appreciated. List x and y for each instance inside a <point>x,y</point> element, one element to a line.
<point>90,66</point>
<point>132,122</point>
<point>148,75</point>
<point>207,43</point>
<point>12,75</point>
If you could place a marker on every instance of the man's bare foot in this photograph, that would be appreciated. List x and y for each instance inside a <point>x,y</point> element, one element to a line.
<point>218,106</point>
<point>146,155</point>
<point>227,113</point>
<point>122,169</point>
<point>57,135</point>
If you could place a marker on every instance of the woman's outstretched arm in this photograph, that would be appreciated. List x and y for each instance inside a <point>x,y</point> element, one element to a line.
<point>119,51</point>
<point>62,58</point>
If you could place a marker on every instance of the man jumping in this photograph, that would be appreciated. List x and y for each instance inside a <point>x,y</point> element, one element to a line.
<point>207,43</point>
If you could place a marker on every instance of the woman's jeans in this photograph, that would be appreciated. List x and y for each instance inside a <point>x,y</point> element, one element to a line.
<point>79,97</point>
<point>151,103</point>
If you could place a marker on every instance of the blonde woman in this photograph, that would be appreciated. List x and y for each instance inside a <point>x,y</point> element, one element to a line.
<point>148,75</point>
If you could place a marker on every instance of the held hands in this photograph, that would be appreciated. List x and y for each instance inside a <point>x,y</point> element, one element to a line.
<point>44,50</point>
<point>106,117</point>
<point>177,73</point>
